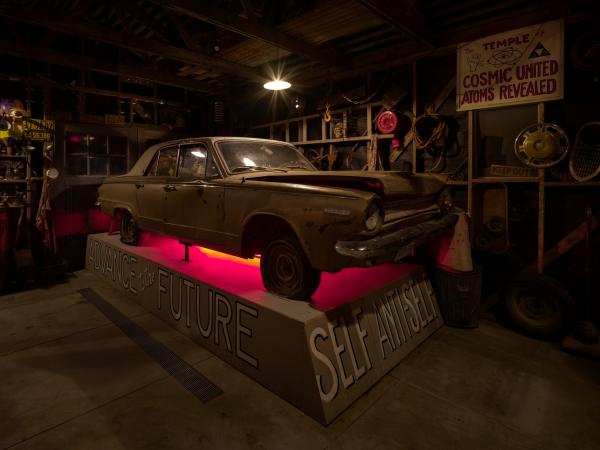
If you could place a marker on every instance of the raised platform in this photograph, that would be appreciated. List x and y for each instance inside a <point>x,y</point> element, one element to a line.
<point>319,356</point>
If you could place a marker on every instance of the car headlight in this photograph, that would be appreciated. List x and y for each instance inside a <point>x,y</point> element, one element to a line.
<point>373,217</point>
<point>446,200</point>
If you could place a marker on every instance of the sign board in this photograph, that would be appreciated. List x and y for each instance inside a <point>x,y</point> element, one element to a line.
<point>512,68</point>
<point>38,129</point>
<point>320,361</point>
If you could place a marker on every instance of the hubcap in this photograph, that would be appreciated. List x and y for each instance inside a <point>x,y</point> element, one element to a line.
<point>284,270</point>
<point>538,309</point>
<point>284,265</point>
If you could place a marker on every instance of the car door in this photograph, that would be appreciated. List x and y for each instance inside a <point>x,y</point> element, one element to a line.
<point>152,189</point>
<point>194,202</point>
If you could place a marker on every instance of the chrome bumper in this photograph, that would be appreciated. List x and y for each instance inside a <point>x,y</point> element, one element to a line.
<point>396,244</point>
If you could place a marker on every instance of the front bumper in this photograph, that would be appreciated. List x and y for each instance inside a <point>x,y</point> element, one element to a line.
<point>396,244</point>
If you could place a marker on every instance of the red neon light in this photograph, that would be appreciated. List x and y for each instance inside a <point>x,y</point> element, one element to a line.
<point>226,257</point>
<point>242,277</point>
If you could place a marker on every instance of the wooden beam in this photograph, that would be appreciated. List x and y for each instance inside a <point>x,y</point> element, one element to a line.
<point>569,241</point>
<point>523,18</point>
<point>206,12</point>
<point>150,23</point>
<point>249,10</point>
<point>94,64</point>
<point>95,32</point>
<point>181,29</point>
<point>395,14</point>
<point>376,61</point>
<point>47,82</point>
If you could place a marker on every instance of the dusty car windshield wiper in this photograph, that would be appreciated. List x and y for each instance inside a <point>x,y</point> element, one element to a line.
<point>292,166</point>
<point>243,168</point>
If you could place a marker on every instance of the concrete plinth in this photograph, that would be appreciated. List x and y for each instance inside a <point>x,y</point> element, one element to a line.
<point>319,356</point>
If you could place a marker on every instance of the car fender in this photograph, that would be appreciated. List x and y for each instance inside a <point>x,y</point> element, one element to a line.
<point>279,215</point>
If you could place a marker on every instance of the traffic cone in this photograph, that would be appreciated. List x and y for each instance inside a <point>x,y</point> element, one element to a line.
<point>454,251</point>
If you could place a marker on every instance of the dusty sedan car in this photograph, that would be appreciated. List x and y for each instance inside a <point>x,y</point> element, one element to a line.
<point>248,196</point>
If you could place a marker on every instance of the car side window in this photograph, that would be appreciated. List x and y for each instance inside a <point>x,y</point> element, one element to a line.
<point>167,162</point>
<point>192,163</point>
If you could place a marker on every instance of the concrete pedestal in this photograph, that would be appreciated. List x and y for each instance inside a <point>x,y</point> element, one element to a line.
<point>319,356</point>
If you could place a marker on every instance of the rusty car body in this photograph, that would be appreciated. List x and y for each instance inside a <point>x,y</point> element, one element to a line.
<point>247,197</point>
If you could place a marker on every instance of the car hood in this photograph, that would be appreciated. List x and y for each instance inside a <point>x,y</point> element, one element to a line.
<point>386,184</point>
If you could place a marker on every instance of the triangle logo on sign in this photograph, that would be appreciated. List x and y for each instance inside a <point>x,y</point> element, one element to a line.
<point>539,51</point>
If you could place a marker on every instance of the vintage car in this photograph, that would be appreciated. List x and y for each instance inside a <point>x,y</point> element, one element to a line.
<point>249,197</point>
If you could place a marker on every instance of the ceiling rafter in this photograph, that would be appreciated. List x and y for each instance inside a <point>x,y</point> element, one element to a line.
<point>93,31</point>
<point>181,29</point>
<point>146,19</point>
<point>249,10</point>
<point>208,13</point>
<point>397,14</point>
<point>141,72</point>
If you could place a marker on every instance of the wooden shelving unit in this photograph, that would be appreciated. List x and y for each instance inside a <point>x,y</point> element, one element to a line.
<point>15,181</point>
<point>493,180</point>
<point>326,127</point>
<point>28,181</point>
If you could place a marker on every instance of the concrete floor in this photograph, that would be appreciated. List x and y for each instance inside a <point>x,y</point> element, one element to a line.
<point>70,379</point>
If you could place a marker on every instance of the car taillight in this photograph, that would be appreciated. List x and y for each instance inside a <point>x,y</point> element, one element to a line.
<point>373,217</point>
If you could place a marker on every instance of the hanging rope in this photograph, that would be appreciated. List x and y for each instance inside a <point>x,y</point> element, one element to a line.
<point>428,129</point>
<point>373,158</point>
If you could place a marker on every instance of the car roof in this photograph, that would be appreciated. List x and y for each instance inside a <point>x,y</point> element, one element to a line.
<point>142,163</point>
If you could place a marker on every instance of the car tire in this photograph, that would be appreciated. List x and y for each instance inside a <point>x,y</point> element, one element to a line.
<point>130,232</point>
<point>538,306</point>
<point>286,271</point>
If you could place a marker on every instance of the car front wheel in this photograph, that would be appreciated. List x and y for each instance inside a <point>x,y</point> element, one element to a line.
<point>130,232</point>
<point>286,271</point>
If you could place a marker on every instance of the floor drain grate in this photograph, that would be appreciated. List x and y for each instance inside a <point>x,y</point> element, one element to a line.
<point>185,374</point>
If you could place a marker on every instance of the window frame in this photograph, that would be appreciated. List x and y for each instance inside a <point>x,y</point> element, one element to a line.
<point>89,156</point>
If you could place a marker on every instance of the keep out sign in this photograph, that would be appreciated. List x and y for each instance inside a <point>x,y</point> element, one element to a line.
<point>516,67</point>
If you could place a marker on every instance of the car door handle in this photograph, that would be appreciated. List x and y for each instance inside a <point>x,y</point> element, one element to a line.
<point>169,188</point>
<point>139,185</point>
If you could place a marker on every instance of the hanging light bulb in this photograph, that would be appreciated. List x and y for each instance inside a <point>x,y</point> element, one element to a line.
<point>277,85</point>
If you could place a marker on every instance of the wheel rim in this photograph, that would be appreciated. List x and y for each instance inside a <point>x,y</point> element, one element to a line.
<point>540,310</point>
<point>285,270</point>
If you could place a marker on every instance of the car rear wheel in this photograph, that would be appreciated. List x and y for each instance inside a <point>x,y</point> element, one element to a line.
<point>130,232</point>
<point>286,271</point>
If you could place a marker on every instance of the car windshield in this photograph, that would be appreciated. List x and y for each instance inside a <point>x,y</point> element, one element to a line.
<point>243,156</point>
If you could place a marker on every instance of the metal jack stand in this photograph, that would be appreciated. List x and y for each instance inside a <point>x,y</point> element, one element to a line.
<point>186,254</point>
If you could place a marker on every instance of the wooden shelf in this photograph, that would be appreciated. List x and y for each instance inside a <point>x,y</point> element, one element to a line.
<point>13,181</point>
<point>484,180</point>
<point>348,139</point>
<point>13,156</point>
<point>572,183</point>
<point>456,183</point>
